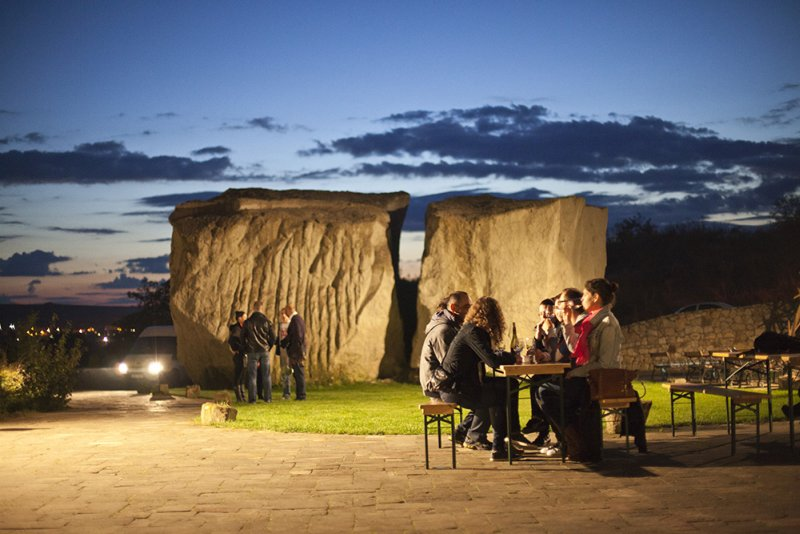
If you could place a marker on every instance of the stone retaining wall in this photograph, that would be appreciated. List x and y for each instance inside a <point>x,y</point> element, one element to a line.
<point>700,330</point>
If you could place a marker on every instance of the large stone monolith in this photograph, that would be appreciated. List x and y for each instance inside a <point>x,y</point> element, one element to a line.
<point>332,255</point>
<point>517,251</point>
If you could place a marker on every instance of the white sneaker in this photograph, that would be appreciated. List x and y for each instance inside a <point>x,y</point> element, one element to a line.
<point>551,451</point>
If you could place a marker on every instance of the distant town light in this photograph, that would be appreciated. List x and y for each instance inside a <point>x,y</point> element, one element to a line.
<point>122,368</point>
<point>105,339</point>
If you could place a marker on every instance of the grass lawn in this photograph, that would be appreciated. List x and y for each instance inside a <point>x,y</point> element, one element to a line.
<point>392,408</point>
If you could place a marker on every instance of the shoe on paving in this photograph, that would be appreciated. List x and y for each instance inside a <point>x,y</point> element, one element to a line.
<point>477,445</point>
<point>459,436</point>
<point>519,439</point>
<point>541,440</point>
<point>499,455</point>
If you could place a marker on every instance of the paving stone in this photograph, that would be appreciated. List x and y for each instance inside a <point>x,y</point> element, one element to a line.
<point>113,462</point>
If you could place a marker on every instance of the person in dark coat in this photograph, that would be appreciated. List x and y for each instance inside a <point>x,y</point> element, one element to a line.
<point>237,346</point>
<point>258,338</point>
<point>294,345</point>
<point>467,357</point>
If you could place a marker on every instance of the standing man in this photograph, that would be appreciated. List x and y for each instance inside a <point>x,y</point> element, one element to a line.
<point>295,344</point>
<point>439,333</point>
<point>237,346</point>
<point>258,339</point>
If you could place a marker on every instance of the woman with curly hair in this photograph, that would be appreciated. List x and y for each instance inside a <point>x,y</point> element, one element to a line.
<point>467,357</point>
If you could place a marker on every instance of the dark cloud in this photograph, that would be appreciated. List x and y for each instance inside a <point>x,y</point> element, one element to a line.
<point>29,138</point>
<point>158,264</point>
<point>161,240</point>
<point>785,114</point>
<point>525,142</point>
<point>36,263</point>
<point>122,281</point>
<point>103,162</point>
<point>167,115</point>
<point>96,231</point>
<point>161,213</point>
<point>170,201</point>
<point>8,237</point>
<point>267,123</point>
<point>81,273</point>
<point>790,86</point>
<point>32,286</point>
<point>211,151</point>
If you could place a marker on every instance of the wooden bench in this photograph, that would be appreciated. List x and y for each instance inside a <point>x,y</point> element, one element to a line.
<point>613,392</point>
<point>439,412</point>
<point>738,400</point>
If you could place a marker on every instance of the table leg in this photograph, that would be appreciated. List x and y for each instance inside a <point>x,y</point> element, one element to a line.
<point>790,382</point>
<point>508,419</point>
<point>769,396</point>
<point>727,405</point>
<point>561,418</point>
<point>733,426</point>
<point>694,414</point>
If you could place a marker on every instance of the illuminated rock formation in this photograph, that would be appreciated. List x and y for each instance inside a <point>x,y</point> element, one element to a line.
<point>519,252</point>
<point>332,255</point>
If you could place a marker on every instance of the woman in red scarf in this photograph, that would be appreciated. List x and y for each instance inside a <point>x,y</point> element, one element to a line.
<point>595,338</point>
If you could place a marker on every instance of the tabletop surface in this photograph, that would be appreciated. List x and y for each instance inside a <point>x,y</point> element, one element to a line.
<point>535,369</point>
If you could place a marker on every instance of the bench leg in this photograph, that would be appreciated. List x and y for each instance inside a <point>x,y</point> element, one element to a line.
<point>672,411</point>
<point>453,435</point>
<point>758,428</point>
<point>733,427</point>
<point>627,435</point>
<point>694,415</point>
<point>425,424</point>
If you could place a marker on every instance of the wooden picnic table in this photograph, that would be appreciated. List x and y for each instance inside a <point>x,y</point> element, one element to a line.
<point>748,359</point>
<point>526,373</point>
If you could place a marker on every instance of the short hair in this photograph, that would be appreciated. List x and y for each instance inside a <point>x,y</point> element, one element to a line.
<point>288,310</point>
<point>239,314</point>
<point>257,305</point>
<point>547,302</point>
<point>457,297</point>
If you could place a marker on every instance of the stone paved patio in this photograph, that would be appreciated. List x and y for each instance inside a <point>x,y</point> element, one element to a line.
<point>117,461</point>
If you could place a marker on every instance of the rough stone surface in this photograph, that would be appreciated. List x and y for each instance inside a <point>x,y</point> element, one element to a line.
<point>332,255</point>
<point>705,330</point>
<point>518,252</point>
<point>212,412</point>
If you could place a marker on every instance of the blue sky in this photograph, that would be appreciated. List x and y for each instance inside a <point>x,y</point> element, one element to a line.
<point>112,111</point>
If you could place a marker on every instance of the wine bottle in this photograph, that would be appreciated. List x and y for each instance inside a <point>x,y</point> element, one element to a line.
<point>514,340</point>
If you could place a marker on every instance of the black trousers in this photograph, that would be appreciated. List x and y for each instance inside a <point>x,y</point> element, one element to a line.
<point>492,397</point>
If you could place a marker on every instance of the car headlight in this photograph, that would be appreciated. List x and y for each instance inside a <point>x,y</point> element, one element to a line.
<point>122,368</point>
<point>154,368</point>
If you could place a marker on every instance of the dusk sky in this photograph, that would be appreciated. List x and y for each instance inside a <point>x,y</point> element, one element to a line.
<point>111,112</point>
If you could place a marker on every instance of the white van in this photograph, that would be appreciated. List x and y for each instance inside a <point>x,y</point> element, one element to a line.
<point>152,360</point>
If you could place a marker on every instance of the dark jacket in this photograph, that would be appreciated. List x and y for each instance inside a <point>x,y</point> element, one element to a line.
<point>258,334</point>
<point>465,359</point>
<point>439,333</point>
<point>295,340</point>
<point>235,338</point>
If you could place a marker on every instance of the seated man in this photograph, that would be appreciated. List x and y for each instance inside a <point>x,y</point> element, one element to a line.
<point>439,333</point>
